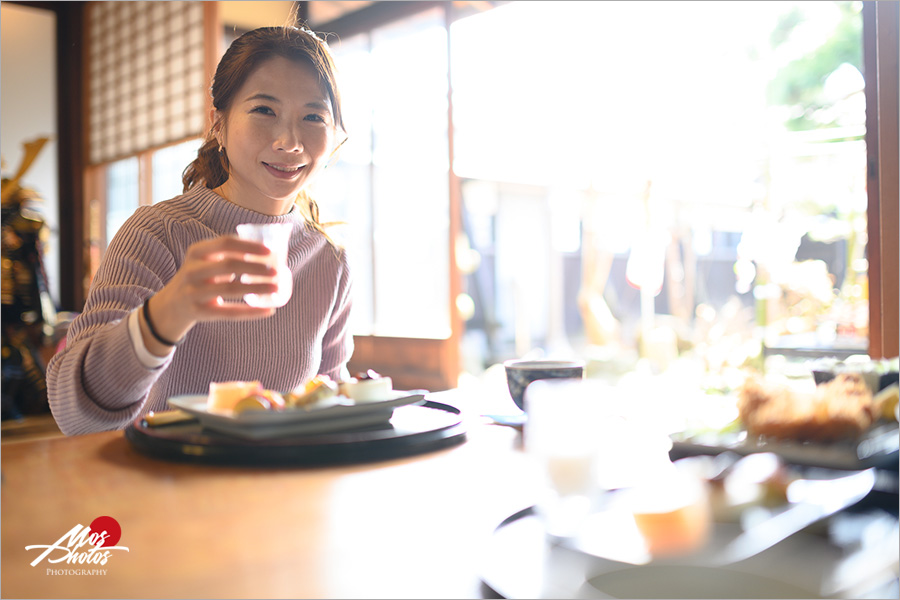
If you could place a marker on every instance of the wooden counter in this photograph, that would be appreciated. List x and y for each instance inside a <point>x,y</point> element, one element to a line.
<point>406,528</point>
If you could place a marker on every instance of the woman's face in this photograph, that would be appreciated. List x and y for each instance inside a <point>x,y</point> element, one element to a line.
<point>278,133</point>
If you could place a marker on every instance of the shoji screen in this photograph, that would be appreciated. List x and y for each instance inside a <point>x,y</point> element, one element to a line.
<point>146,76</point>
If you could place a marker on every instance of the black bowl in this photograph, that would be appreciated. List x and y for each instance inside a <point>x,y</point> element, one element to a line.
<point>520,373</point>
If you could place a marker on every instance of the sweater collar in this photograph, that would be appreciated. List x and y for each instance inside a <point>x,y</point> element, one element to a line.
<point>225,216</point>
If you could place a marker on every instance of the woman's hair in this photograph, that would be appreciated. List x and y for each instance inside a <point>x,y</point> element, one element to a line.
<point>245,54</point>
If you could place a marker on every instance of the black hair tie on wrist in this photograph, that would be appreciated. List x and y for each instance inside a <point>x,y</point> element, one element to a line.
<point>152,329</point>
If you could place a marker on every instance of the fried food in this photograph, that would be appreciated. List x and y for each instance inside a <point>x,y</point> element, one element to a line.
<point>841,409</point>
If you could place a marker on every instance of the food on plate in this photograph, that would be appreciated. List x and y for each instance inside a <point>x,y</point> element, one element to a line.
<point>261,400</point>
<point>840,409</point>
<point>224,395</point>
<point>316,389</point>
<point>240,396</point>
<point>759,479</point>
<point>877,373</point>
<point>253,402</point>
<point>367,387</point>
<point>886,402</point>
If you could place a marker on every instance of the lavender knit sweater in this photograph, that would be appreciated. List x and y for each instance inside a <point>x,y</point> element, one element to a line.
<point>97,382</point>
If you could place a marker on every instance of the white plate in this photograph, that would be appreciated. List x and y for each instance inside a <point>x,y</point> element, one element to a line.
<point>518,562</point>
<point>336,414</point>
<point>876,448</point>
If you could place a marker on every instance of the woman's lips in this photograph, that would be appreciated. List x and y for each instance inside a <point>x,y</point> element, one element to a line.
<point>283,171</point>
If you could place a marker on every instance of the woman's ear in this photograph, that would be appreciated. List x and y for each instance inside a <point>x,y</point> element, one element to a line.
<point>216,126</point>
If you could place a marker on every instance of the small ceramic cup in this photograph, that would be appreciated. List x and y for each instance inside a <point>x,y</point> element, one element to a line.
<point>520,373</point>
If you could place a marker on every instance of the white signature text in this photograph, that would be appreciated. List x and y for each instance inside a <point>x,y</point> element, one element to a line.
<point>69,548</point>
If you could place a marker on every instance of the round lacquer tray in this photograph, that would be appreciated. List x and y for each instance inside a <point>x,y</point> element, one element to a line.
<point>411,430</point>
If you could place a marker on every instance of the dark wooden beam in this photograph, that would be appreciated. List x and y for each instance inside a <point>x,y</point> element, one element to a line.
<point>887,20</point>
<point>72,136</point>
<point>873,244</point>
<point>374,15</point>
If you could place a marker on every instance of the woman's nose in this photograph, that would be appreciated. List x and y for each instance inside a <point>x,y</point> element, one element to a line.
<point>289,140</point>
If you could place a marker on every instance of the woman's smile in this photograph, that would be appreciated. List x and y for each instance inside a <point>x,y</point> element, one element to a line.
<point>282,171</point>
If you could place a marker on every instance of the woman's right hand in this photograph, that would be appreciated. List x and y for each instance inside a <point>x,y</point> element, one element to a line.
<point>211,272</point>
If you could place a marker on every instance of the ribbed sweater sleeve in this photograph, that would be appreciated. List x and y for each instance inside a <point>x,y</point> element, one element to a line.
<point>98,383</point>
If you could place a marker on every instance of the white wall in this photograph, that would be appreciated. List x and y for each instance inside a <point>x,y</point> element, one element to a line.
<point>28,110</point>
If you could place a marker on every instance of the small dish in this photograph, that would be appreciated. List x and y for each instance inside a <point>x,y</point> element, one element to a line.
<point>339,414</point>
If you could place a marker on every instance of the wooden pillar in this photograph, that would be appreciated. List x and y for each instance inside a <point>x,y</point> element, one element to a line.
<point>880,35</point>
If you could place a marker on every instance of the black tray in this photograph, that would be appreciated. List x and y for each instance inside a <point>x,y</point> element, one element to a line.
<point>412,430</point>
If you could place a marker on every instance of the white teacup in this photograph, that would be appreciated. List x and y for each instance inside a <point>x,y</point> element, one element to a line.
<point>276,237</point>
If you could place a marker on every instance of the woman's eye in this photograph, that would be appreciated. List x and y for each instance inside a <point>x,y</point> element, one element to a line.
<point>315,118</point>
<point>264,110</point>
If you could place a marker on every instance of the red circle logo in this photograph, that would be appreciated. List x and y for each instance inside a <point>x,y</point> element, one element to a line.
<point>110,526</point>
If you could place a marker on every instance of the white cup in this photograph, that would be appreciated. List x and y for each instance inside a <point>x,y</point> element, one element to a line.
<point>276,237</point>
<point>562,437</point>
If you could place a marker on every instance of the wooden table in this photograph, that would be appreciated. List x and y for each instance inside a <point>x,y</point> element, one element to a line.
<point>413,527</point>
<point>404,528</point>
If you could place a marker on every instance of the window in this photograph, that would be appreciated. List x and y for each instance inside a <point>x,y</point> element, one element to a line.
<point>392,180</point>
<point>578,128</point>
<point>633,172</point>
<point>167,165</point>
<point>637,172</point>
<point>122,194</point>
<point>124,191</point>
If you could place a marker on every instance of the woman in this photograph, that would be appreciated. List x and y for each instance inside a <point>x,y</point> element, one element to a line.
<point>154,323</point>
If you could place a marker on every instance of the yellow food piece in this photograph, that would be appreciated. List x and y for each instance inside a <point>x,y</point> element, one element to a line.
<point>315,389</point>
<point>251,403</point>
<point>224,395</point>
<point>275,399</point>
<point>886,402</point>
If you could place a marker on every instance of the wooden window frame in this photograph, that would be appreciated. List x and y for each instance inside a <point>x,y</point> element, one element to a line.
<point>880,50</point>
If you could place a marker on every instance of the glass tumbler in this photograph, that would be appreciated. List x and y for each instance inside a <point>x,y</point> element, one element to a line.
<point>276,237</point>
<point>563,437</point>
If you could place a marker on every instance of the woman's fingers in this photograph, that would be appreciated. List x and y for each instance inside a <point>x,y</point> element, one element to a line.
<point>236,311</point>
<point>216,275</point>
<point>217,248</point>
<point>228,269</point>
<point>235,290</point>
